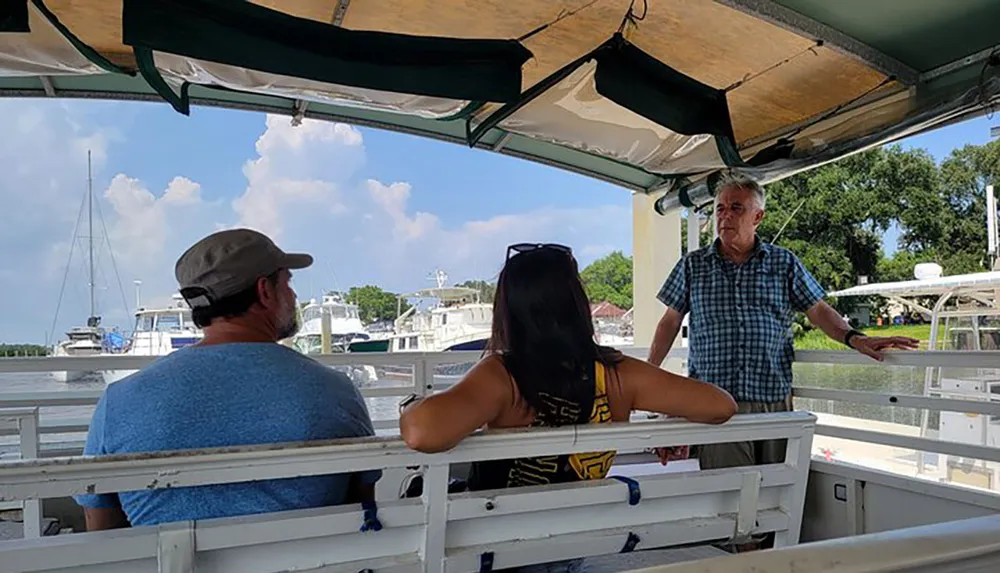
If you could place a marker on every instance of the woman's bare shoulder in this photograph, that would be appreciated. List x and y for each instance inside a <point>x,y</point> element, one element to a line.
<point>629,368</point>
<point>489,371</point>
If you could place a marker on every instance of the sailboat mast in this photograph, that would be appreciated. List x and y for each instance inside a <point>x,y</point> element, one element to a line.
<point>90,235</point>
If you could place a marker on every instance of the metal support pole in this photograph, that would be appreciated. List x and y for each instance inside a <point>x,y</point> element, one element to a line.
<point>30,442</point>
<point>693,231</point>
<point>435,499</point>
<point>325,330</point>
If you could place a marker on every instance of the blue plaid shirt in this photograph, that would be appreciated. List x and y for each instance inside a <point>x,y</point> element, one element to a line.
<point>740,335</point>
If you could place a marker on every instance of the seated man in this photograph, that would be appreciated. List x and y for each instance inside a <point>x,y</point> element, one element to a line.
<point>236,387</point>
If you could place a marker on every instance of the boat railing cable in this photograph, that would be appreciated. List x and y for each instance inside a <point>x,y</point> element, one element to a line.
<point>114,264</point>
<point>62,289</point>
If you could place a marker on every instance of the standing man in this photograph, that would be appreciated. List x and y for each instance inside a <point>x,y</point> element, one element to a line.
<point>742,295</point>
<point>237,387</point>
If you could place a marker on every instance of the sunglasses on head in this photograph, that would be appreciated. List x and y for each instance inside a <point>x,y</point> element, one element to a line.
<point>528,247</point>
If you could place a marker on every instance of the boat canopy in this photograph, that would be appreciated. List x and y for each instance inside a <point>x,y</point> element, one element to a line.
<point>956,284</point>
<point>652,96</point>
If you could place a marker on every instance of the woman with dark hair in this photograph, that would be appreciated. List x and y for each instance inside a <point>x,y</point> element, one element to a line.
<point>543,368</point>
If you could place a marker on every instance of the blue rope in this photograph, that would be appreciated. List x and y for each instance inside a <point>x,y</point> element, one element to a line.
<point>486,562</point>
<point>630,543</point>
<point>371,522</point>
<point>634,492</point>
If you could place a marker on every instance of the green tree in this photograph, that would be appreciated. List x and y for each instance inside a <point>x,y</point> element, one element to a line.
<point>23,350</point>
<point>834,217</point>
<point>487,290</point>
<point>609,279</point>
<point>954,232</point>
<point>375,304</point>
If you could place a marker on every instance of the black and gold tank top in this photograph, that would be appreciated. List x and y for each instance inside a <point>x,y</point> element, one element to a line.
<point>545,470</point>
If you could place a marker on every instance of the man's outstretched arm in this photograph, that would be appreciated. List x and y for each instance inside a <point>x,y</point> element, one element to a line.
<point>827,319</point>
<point>665,335</point>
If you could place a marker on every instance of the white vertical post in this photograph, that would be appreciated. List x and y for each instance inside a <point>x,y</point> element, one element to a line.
<point>855,507</point>
<point>435,499</point>
<point>423,377</point>
<point>656,248</point>
<point>929,378</point>
<point>693,231</point>
<point>175,548</point>
<point>325,328</point>
<point>991,226</point>
<point>798,454</point>
<point>32,509</point>
<point>746,516</point>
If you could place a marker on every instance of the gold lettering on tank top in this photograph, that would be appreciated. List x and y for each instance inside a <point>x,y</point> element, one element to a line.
<point>584,466</point>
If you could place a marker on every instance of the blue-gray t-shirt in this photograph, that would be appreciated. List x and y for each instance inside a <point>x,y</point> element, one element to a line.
<point>226,395</point>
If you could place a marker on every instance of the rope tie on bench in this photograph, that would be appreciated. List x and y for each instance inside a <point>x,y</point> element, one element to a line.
<point>634,491</point>
<point>371,522</point>
<point>486,562</point>
<point>630,543</point>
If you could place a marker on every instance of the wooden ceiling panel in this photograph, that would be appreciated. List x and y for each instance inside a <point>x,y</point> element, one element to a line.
<point>804,87</point>
<point>788,78</point>
<point>713,44</point>
<point>584,24</point>
<point>98,23</point>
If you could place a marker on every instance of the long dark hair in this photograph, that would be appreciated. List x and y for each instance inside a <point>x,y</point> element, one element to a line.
<point>544,333</point>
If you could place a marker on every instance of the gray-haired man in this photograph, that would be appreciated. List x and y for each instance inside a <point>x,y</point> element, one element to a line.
<point>742,295</point>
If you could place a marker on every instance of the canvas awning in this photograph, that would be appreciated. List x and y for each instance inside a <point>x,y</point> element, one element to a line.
<point>961,284</point>
<point>652,96</point>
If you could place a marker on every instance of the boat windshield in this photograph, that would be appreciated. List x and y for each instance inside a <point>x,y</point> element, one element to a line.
<point>144,323</point>
<point>168,322</point>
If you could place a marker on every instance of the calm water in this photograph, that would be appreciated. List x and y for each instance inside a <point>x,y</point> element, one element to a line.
<point>383,408</point>
<point>868,378</point>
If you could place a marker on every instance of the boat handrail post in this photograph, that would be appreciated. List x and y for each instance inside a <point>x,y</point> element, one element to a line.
<point>435,500</point>
<point>423,377</point>
<point>798,454</point>
<point>26,420</point>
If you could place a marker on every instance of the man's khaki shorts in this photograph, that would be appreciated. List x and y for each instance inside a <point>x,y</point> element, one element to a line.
<point>716,456</point>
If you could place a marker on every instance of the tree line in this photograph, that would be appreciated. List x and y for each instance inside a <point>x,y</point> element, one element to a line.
<point>10,350</point>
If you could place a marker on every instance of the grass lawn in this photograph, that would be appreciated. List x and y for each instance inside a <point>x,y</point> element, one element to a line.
<point>816,340</point>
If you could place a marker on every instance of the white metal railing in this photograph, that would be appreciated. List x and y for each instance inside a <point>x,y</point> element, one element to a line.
<point>966,545</point>
<point>423,381</point>
<point>439,532</point>
<point>24,422</point>
<point>926,359</point>
<point>422,363</point>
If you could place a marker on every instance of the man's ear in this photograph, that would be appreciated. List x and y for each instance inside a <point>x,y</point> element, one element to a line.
<point>758,217</point>
<point>266,295</point>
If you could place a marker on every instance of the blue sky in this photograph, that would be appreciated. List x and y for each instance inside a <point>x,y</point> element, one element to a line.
<point>373,207</point>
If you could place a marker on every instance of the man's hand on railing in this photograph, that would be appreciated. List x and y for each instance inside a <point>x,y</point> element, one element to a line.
<point>673,453</point>
<point>875,346</point>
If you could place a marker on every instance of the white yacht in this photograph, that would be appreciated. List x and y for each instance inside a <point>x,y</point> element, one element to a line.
<point>457,320</point>
<point>158,332</point>
<point>83,340</point>
<point>80,341</point>
<point>345,325</point>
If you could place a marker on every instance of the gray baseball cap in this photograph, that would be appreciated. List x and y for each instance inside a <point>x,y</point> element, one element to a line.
<point>228,262</point>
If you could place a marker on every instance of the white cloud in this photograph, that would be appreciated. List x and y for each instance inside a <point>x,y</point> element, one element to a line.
<point>393,199</point>
<point>302,187</point>
<point>289,176</point>
<point>182,191</point>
